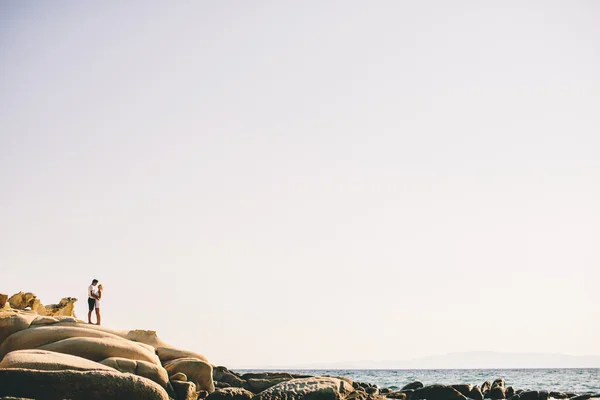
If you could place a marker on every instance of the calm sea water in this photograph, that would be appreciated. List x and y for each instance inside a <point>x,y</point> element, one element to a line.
<point>577,380</point>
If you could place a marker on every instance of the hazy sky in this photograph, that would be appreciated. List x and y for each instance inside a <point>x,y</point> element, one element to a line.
<point>276,182</point>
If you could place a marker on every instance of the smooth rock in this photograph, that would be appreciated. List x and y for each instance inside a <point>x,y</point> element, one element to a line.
<point>78,385</point>
<point>148,337</point>
<point>169,353</point>
<point>49,361</point>
<point>197,371</point>
<point>313,388</point>
<point>98,349</point>
<point>144,369</point>
<point>12,322</point>
<point>438,392</point>
<point>232,393</point>
<point>42,335</point>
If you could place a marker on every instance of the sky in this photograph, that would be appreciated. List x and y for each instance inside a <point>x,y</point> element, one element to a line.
<point>284,183</point>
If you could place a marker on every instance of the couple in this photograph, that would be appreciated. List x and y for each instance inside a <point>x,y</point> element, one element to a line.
<point>94,296</point>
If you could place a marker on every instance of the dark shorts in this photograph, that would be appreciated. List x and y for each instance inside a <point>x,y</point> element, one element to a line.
<point>91,303</point>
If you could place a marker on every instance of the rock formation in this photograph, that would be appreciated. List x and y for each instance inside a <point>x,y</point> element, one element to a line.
<point>47,353</point>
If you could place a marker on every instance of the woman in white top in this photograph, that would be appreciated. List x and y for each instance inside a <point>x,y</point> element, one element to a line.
<point>97,307</point>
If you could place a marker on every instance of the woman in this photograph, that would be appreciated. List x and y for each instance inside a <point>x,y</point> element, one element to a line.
<point>97,306</point>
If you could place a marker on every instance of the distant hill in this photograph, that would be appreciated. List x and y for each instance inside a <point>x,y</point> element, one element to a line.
<point>466,360</point>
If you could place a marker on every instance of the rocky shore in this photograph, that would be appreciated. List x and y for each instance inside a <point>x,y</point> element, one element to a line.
<point>46,352</point>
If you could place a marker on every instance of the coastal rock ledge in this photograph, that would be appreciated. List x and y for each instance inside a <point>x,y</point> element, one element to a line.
<point>47,353</point>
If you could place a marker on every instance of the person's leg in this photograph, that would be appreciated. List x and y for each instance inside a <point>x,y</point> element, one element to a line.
<point>91,305</point>
<point>97,315</point>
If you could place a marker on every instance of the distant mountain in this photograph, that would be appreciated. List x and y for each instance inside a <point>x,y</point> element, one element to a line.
<point>466,360</point>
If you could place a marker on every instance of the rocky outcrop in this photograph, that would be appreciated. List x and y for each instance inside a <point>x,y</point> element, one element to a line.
<point>22,300</point>
<point>48,353</point>
<point>65,308</point>
<point>321,388</point>
<point>3,301</point>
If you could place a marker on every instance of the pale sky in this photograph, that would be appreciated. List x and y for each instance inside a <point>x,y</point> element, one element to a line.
<point>277,182</point>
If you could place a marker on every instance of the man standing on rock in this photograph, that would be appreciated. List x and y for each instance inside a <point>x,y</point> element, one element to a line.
<point>92,296</point>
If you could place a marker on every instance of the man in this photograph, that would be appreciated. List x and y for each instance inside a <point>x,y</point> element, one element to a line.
<point>92,296</point>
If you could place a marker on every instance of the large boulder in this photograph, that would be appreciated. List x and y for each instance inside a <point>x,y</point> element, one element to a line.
<point>222,374</point>
<point>42,335</point>
<point>78,385</point>
<point>197,371</point>
<point>12,322</point>
<point>169,353</point>
<point>475,393</point>
<point>184,390</point>
<point>314,388</point>
<point>145,369</point>
<point>98,349</point>
<point>65,308</point>
<point>49,361</point>
<point>498,390</point>
<point>232,393</point>
<point>438,392</point>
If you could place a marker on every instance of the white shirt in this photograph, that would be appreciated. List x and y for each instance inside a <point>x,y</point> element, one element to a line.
<point>92,290</point>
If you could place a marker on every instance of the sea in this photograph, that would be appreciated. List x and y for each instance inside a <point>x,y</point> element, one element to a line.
<point>577,380</point>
